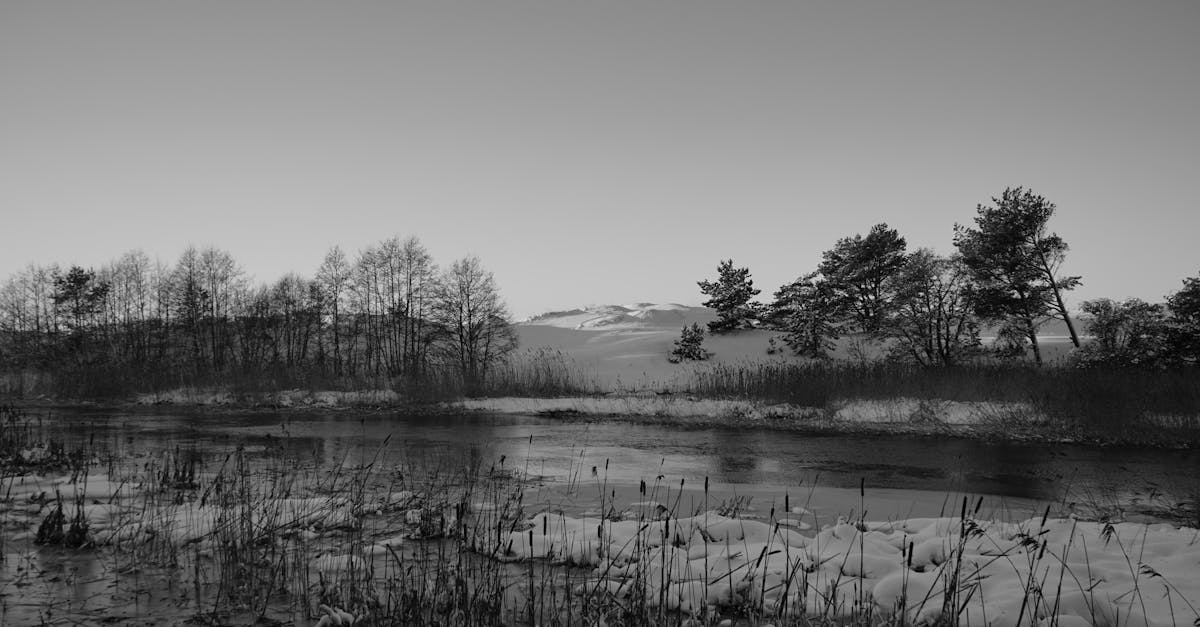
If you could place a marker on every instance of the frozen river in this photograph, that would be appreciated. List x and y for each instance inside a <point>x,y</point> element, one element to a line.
<point>1135,482</point>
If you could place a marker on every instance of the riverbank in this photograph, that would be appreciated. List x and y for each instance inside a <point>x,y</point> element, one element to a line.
<point>1010,422</point>
<point>879,417</point>
<point>1003,401</point>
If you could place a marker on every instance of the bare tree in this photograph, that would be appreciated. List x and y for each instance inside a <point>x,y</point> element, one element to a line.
<point>130,303</point>
<point>391,289</point>
<point>391,314</point>
<point>292,317</point>
<point>390,295</point>
<point>224,281</point>
<point>420,277</point>
<point>932,311</point>
<point>27,314</point>
<point>190,303</point>
<point>162,283</point>
<point>477,323</point>
<point>333,279</point>
<point>368,303</point>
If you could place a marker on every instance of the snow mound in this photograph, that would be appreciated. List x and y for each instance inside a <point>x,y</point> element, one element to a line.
<point>1039,571</point>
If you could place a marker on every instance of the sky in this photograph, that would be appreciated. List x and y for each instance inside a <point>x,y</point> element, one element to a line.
<point>602,151</point>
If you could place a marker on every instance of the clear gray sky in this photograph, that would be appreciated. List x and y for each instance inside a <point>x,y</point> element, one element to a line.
<point>597,152</point>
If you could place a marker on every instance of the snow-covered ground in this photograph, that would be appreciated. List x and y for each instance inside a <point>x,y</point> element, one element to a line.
<point>986,568</point>
<point>1036,571</point>
<point>625,347</point>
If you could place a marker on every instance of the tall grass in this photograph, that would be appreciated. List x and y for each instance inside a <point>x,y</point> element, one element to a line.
<point>28,444</point>
<point>1115,405</point>
<point>1126,405</point>
<point>529,372</point>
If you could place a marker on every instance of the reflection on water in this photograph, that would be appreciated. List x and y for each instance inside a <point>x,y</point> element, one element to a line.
<point>559,450</point>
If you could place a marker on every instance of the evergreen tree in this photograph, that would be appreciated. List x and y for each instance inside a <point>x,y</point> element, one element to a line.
<point>689,346</point>
<point>808,311</point>
<point>1183,332</point>
<point>1016,262</point>
<point>860,268</point>
<point>78,298</point>
<point>730,295</point>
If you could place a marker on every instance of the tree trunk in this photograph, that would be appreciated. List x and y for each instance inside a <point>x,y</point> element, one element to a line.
<point>337,345</point>
<point>1033,342</point>
<point>1062,307</point>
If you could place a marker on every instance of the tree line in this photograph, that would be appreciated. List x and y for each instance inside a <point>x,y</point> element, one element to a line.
<point>1006,273</point>
<point>388,314</point>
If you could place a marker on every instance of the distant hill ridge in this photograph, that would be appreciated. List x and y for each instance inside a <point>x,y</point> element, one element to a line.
<point>638,315</point>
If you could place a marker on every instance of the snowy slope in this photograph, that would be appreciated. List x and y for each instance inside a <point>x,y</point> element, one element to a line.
<point>637,316</point>
<point>627,345</point>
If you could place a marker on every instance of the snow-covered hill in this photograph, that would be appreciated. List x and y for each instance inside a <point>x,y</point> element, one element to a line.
<point>636,316</point>
<point>626,346</point>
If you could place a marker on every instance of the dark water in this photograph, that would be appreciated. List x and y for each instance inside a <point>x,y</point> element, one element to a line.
<point>623,453</point>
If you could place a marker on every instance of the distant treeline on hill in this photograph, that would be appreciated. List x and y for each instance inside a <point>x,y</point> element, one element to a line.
<point>1005,275</point>
<point>388,315</point>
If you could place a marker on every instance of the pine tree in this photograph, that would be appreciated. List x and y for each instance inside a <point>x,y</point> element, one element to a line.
<point>730,295</point>
<point>79,297</point>
<point>860,269</point>
<point>689,346</point>
<point>807,310</point>
<point>1015,262</point>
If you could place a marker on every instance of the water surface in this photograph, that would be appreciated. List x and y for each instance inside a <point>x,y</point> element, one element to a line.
<point>1071,477</point>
